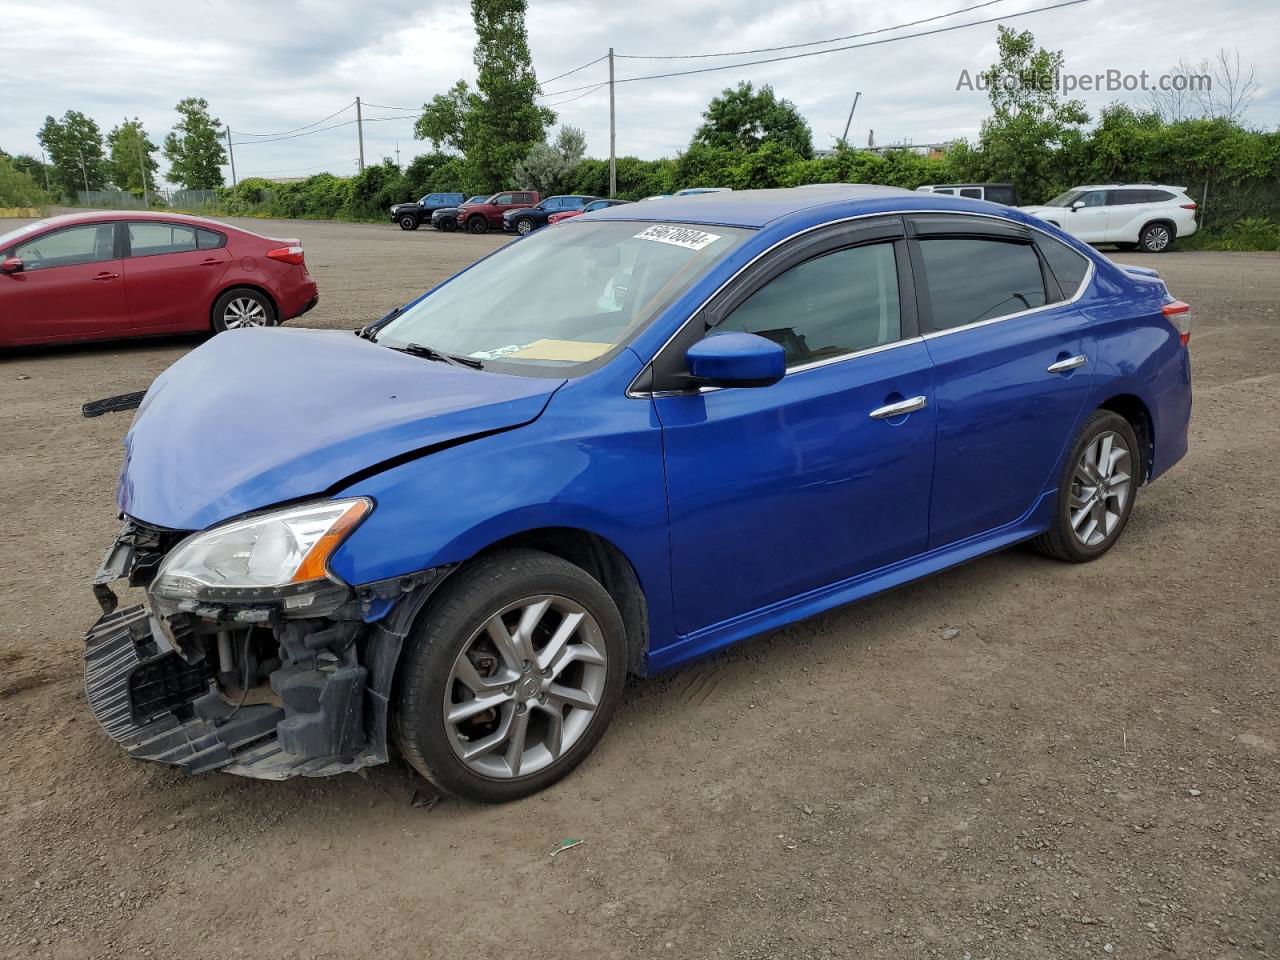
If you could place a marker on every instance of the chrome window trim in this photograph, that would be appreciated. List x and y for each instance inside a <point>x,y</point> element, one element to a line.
<point>634,393</point>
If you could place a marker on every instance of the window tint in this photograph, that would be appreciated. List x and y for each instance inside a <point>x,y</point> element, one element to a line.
<point>525,198</point>
<point>501,199</point>
<point>90,243</point>
<point>1094,198</point>
<point>946,190</point>
<point>835,304</point>
<point>153,239</point>
<point>973,192</point>
<point>210,240</point>
<point>1067,266</point>
<point>971,280</point>
<point>1000,195</point>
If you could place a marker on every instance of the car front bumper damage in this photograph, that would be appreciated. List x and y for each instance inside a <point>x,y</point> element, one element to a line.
<point>243,688</point>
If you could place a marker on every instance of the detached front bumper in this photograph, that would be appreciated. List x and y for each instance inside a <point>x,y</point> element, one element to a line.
<point>238,688</point>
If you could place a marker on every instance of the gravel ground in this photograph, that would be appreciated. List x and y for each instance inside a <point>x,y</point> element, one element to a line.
<point>1015,759</point>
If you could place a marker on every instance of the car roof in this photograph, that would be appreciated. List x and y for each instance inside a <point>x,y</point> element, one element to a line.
<point>756,208</point>
<point>1129,186</point>
<point>97,216</point>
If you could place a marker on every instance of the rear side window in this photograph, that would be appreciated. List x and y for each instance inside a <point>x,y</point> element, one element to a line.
<point>154,239</point>
<point>1000,195</point>
<point>524,198</point>
<point>210,239</point>
<point>972,192</point>
<point>971,280</point>
<point>835,304</point>
<point>1069,268</point>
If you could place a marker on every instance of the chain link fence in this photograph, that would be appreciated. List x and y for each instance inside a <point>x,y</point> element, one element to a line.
<point>121,200</point>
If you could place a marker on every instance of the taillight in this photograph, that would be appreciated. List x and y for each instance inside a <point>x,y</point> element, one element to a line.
<point>1187,206</point>
<point>1179,314</point>
<point>286,255</point>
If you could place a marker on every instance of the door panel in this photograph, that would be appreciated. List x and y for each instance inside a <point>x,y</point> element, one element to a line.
<point>1088,223</point>
<point>778,490</point>
<point>1003,418</point>
<point>72,287</point>
<point>169,283</point>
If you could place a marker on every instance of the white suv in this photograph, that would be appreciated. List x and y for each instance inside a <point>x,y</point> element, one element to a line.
<point>1143,215</point>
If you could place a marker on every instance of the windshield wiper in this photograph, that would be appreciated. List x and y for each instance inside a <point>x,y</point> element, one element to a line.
<point>431,353</point>
<point>370,330</point>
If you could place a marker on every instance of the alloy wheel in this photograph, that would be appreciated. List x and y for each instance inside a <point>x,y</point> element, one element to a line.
<point>525,687</point>
<point>1100,488</point>
<point>244,312</point>
<point>524,228</point>
<point>1157,238</point>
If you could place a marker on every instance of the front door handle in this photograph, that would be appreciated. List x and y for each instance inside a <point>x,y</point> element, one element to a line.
<point>106,276</point>
<point>899,409</point>
<point>211,262</point>
<point>1062,366</point>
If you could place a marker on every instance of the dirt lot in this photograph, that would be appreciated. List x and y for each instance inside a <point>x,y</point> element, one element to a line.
<point>1089,767</point>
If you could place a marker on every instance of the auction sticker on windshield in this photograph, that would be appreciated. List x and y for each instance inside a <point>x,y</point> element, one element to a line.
<point>685,237</point>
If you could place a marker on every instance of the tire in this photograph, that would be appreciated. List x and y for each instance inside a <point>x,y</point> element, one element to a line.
<point>243,307</point>
<point>408,222</point>
<point>1156,237</point>
<point>1126,246</point>
<point>452,640</point>
<point>447,224</point>
<point>524,226</point>
<point>1080,543</point>
<point>478,225</point>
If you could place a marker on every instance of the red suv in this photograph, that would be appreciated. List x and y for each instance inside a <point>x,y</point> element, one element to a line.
<point>482,217</point>
<point>91,276</point>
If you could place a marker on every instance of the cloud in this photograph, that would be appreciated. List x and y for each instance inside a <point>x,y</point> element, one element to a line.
<point>270,68</point>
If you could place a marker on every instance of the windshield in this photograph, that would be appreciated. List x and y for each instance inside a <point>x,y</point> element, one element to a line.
<point>7,239</point>
<point>562,298</point>
<point>1066,199</point>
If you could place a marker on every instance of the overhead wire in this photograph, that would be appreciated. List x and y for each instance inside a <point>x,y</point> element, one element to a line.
<point>818,53</point>
<point>241,133</point>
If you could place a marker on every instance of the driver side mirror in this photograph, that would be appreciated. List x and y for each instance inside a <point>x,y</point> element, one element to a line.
<point>11,265</point>
<point>1077,205</point>
<point>737,360</point>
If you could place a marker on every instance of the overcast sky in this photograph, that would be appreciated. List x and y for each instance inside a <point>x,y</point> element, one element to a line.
<point>273,67</point>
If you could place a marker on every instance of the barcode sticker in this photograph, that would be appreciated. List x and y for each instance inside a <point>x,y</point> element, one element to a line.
<point>685,237</point>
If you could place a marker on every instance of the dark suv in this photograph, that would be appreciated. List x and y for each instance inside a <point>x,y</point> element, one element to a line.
<point>525,221</point>
<point>482,217</point>
<point>410,216</point>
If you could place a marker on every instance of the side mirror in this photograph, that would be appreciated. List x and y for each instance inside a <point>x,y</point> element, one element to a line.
<point>1077,205</point>
<point>11,265</point>
<point>737,360</point>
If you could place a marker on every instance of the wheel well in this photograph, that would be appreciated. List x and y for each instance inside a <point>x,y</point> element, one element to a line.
<point>1139,417</point>
<point>1173,227</point>
<point>244,286</point>
<point>600,558</point>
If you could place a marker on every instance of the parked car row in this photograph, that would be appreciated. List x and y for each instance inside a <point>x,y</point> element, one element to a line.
<point>515,211</point>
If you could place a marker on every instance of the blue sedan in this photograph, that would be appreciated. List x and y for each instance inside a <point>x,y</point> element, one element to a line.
<point>610,449</point>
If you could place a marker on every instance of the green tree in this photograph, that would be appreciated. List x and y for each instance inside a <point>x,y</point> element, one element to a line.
<point>18,188</point>
<point>743,119</point>
<point>194,147</point>
<point>1030,119</point>
<point>549,167</point>
<point>444,118</point>
<point>504,119</point>
<point>131,152</point>
<point>74,146</point>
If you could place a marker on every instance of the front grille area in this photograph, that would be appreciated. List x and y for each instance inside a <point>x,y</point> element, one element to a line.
<point>165,684</point>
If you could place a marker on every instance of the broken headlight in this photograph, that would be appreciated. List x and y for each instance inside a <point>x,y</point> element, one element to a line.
<point>281,556</point>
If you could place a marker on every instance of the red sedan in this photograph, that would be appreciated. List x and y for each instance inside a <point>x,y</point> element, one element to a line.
<point>89,276</point>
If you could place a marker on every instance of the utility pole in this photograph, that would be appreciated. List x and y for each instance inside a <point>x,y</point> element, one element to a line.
<point>397,154</point>
<point>613,159</point>
<point>231,154</point>
<point>44,164</point>
<point>856,97</point>
<point>142,163</point>
<point>360,132</point>
<point>85,173</point>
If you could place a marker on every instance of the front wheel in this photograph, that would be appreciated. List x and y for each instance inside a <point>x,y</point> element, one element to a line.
<point>243,307</point>
<point>524,226</point>
<point>478,225</point>
<point>1096,490</point>
<point>447,224</point>
<point>408,222</point>
<point>510,677</point>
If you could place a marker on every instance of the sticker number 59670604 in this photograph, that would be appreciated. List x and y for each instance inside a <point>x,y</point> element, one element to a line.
<point>685,237</point>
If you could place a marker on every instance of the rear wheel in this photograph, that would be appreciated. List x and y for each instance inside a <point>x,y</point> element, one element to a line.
<point>478,225</point>
<point>510,677</point>
<point>1155,238</point>
<point>1096,490</point>
<point>408,222</point>
<point>243,307</point>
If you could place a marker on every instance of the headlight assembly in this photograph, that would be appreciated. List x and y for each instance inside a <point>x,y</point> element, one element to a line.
<point>282,556</point>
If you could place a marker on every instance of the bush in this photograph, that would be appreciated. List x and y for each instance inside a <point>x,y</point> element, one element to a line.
<point>19,189</point>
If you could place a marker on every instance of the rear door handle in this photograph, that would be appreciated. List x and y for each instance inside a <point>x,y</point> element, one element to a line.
<point>211,262</point>
<point>1062,366</point>
<point>106,276</point>
<point>899,409</point>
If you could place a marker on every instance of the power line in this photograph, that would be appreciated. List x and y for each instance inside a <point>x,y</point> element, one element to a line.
<point>383,106</point>
<point>602,83</point>
<point>810,43</point>
<point>334,126</point>
<point>818,53</point>
<point>583,67</point>
<point>296,129</point>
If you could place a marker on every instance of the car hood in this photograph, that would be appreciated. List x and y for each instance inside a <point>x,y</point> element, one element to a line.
<point>1042,211</point>
<point>257,417</point>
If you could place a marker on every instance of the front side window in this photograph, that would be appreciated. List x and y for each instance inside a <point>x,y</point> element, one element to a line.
<point>833,305</point>
<point>1094,198</point>
<point>562,299</point>
<point>971,280</point>
<point>503,199</point>
<point>90,243</point>
<point>974,193</point>
<point>154,239</point>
